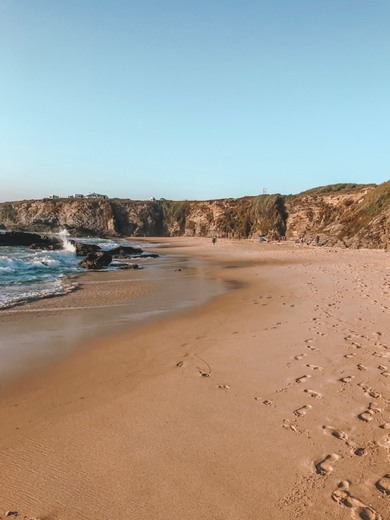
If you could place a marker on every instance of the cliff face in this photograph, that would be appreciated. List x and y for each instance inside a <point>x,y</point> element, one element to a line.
<point>230,217</point>
<point>79,216</point>
<point>349,216</point>
<point>344,215</point>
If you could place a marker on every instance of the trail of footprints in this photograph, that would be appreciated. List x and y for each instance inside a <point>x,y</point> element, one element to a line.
<point>326,464</point>
<point>359,510</point>
<point>356,344</point>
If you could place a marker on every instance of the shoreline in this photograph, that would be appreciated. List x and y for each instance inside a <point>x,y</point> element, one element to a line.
<point>258,403</point>
<point>103,302</point>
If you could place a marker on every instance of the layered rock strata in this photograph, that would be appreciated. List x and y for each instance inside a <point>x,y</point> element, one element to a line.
<point>345,215</point>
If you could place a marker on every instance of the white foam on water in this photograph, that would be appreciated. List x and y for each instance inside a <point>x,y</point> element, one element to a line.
<point>68,246</point>
<point>27,274</point>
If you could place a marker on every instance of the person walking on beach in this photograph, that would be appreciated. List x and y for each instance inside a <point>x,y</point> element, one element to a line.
<point>214,241</point>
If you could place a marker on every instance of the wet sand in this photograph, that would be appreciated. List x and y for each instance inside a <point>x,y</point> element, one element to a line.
<point>104,302</point>
<point>269,401</point>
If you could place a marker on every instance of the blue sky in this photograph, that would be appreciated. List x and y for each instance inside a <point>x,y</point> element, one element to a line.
<point>192,99</point>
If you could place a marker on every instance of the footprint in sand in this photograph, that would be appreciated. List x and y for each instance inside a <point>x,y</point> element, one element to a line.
<point>288,426</point>
<point>302,379</point>
<point>361,367</point>
<point>325,466</point>
<point>360,452</point>
<point>368,414</point>
<point>197,362</point>
<point>302,410</point>
<point>359,510</point>
<point>315,367</point>
<point>349,356</point>
<point>299,356</point>
<point>369,391</point>
<point>339,434</point>
<point>342,436</point>
<point>313,349</point>
<point>384,484</point>
<point>380,354</point>
<point>384,441</point>
<point>312,393</point>
<point>346,379</point>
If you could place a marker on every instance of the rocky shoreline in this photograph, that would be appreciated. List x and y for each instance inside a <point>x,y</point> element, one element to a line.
<point>94,256</point>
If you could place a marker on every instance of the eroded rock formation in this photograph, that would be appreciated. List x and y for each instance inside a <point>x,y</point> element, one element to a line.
<point>341,215</point>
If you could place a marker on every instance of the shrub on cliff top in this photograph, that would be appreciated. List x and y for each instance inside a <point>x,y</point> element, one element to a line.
<point>334,188</point>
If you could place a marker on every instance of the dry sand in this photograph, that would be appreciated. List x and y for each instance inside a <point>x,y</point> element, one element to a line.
<point>268,402</point>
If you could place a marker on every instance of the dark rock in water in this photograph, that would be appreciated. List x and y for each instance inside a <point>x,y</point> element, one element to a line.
<point>125,251</point>
<point>85,249</point>
<point>127,266</point>
<point>97,260</point>
<point>33,240</point>
<point>49,246</point>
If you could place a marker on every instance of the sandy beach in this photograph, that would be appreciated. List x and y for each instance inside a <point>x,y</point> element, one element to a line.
<point>269,401</point>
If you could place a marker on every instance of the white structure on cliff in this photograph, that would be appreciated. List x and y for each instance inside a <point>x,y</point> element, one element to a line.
<point>96,196</point>
<point>81,196</point>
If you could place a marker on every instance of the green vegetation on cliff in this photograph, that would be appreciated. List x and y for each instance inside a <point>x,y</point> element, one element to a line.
<point>375,203</point>
<point>334,188</point>
<point>344,214</point>
<point>175,215</point>
<point>249,216</point>
<point>269,214</point>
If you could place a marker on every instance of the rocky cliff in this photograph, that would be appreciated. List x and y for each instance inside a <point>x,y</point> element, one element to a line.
<point>346,215</point>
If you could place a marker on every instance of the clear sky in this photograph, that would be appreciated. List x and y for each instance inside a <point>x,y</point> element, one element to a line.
<point>192,99</point>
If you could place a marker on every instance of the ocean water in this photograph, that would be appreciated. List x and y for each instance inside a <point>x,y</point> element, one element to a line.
<point>34,338</point>
<point>27,274</point>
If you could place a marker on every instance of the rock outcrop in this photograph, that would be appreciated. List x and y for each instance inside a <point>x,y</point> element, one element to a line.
<point>33,240</point>
<point>340,215</point>
<point>84,249</point>
<point>98,260</point>
<point>125,251</point>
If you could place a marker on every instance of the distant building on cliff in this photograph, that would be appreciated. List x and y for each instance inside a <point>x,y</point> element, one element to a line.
<point>81,196</point>
<point>96,196</point>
